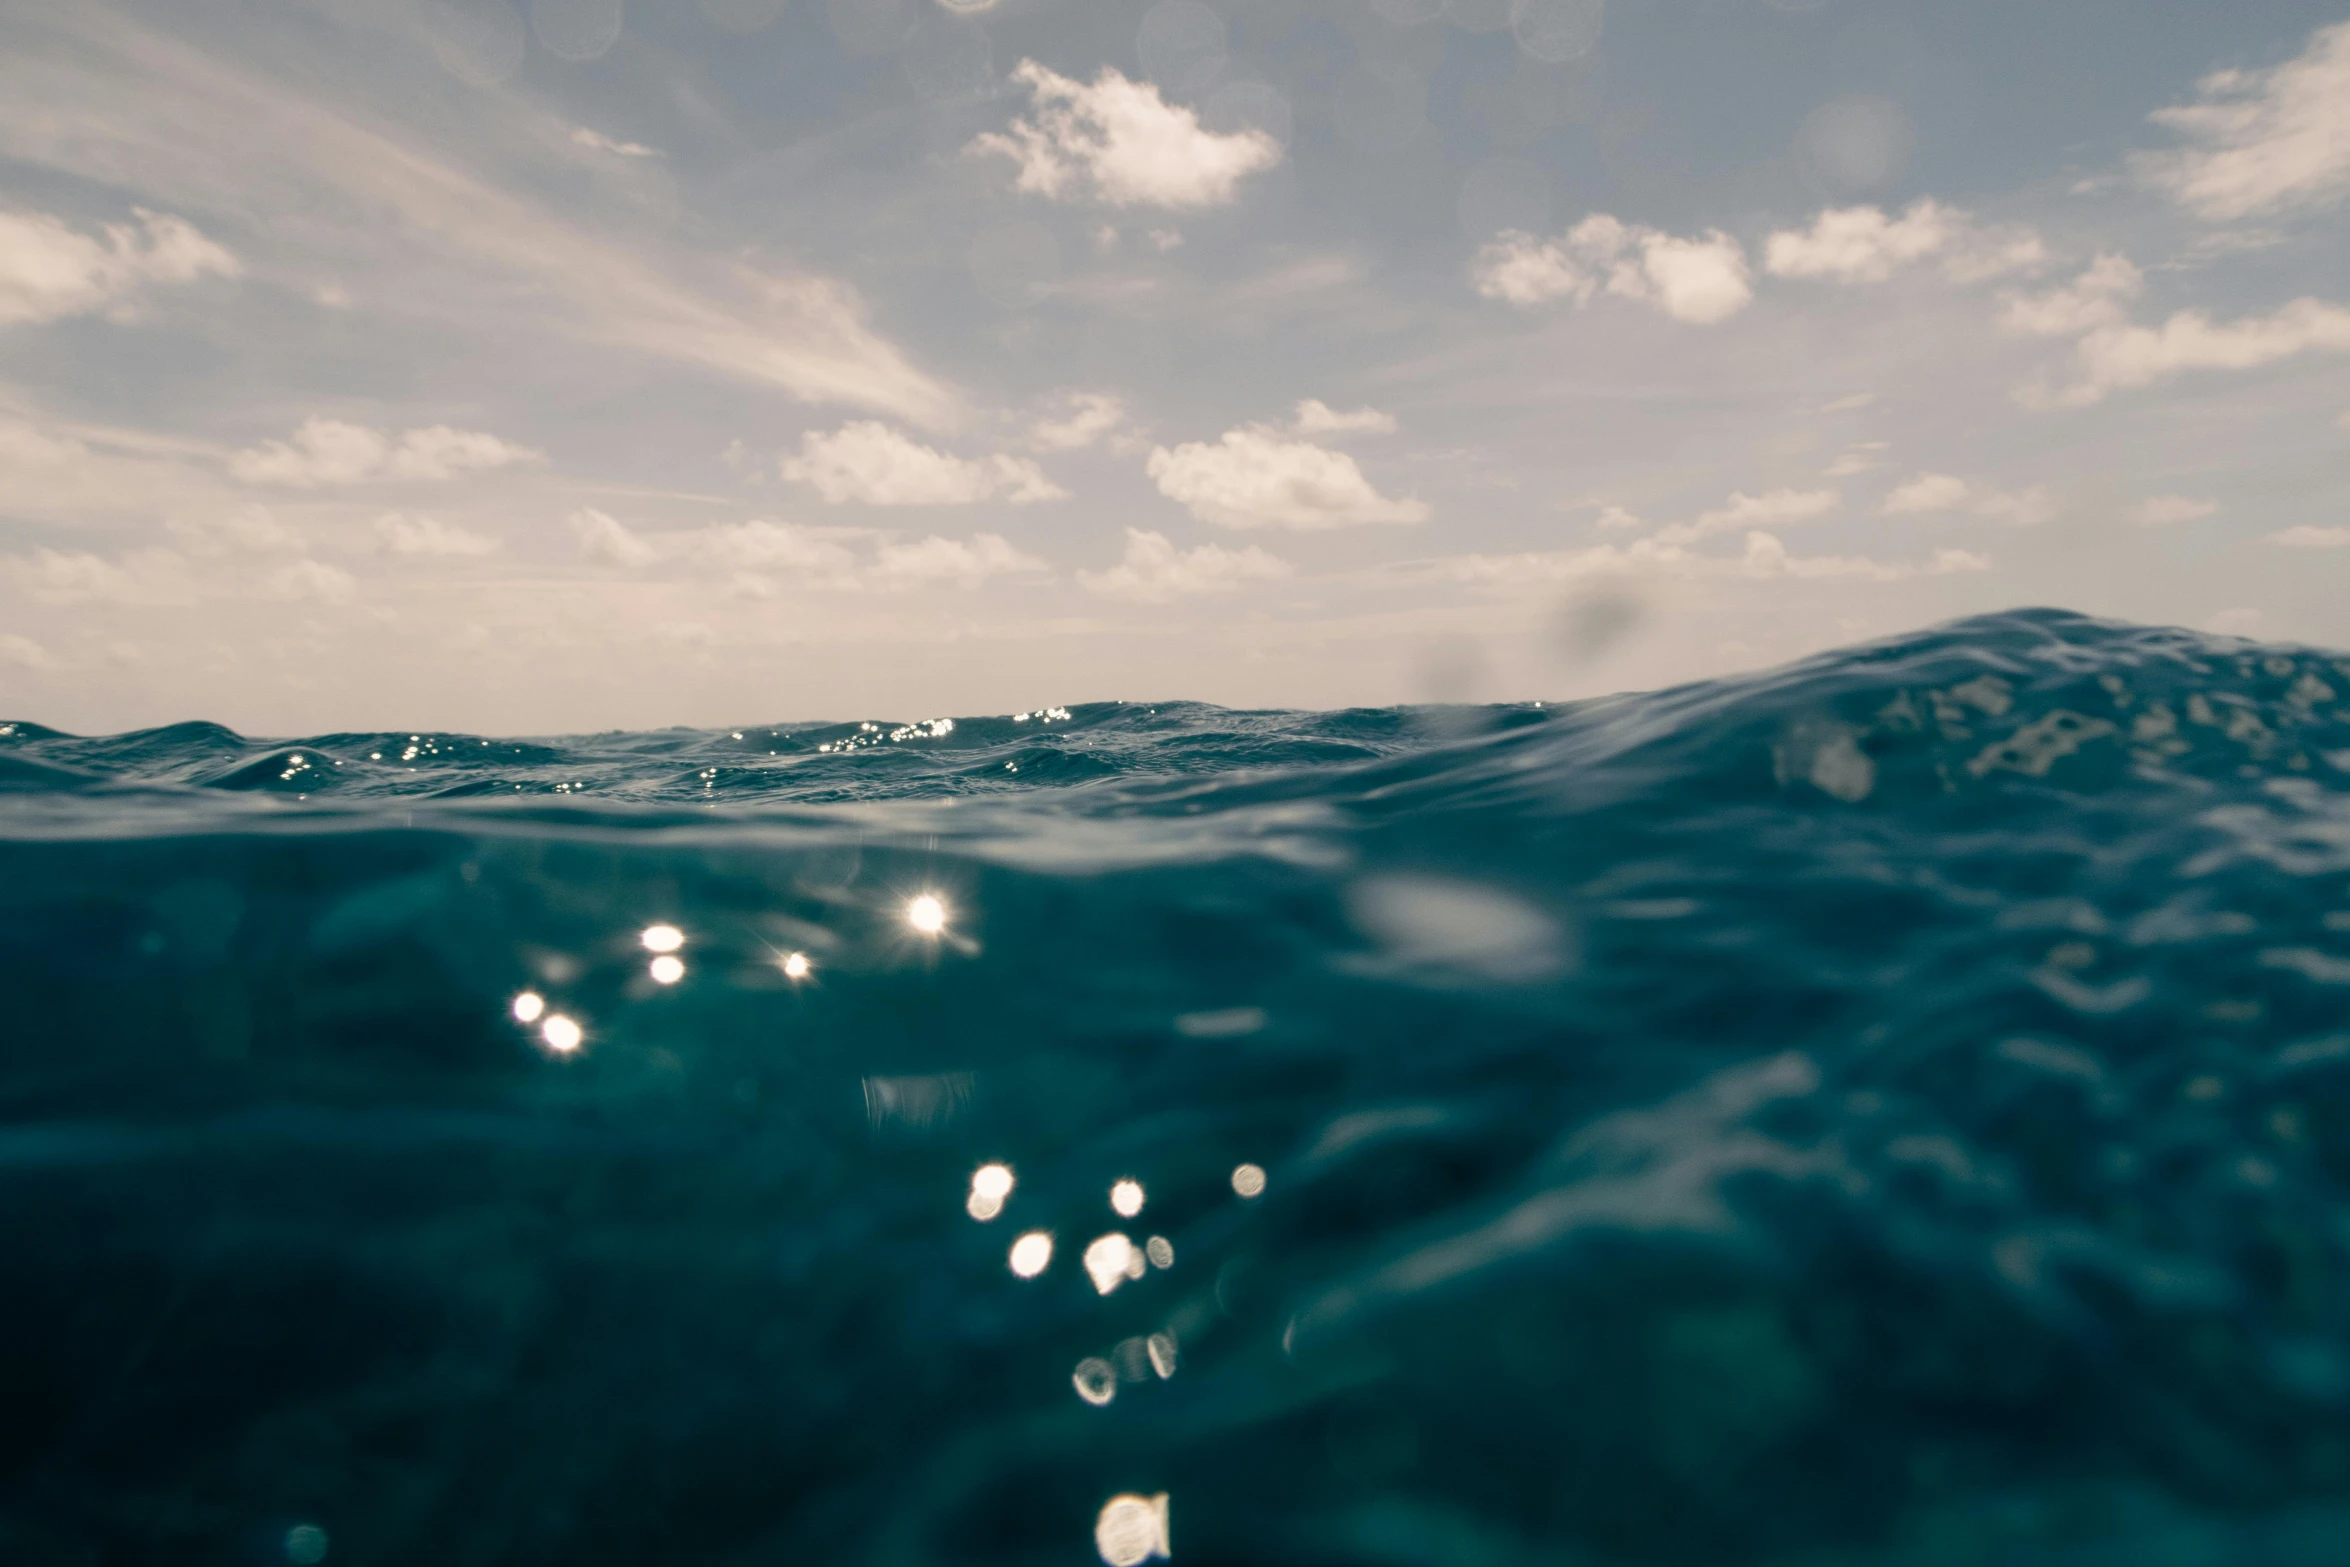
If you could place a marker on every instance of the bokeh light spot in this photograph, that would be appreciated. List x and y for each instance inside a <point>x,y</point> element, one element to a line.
<point>1131,1530</point>
<point>662,938</point>
<point>1126,1199</point>
<point>927,914</point>
<point>1032,1254</point>
<point>1249,1180</point>
<point>667,969</point>
<point>529,1007</point>
<point>562,1035</point>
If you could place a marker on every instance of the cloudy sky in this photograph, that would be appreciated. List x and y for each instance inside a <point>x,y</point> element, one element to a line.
<point>563,364</point>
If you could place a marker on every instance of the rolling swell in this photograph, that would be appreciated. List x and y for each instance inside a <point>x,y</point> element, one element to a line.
<point>1894,1109</point>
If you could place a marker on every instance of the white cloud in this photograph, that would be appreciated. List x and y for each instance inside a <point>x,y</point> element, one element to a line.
<point>2120,358</point>
<point>2307,537</point>
<point>598,141</point>
<point>1943,492</point>
<point>1864,245</point>
<point>1255,477</point>
<point>1701,280</point>
<point>250,529</point>
<point>1122,143</point>
<point>2263,141</point>
<point>1743,512</point>
<point>48,270</point>
<point>1764,557</point>
<point>955,562</point>
<point>331,452</point>
<point>1086,418</point>
<point>23,447</point>
<point>2094,299</point>
<point>1315,417</point>
<point>430,537</point>
<point>1616,517</point>
<point>1858,244</point>
<point>868,461</point>
<point>1861,458</point>
<point>98,94</point>
<point>2163,510</point>
<point>310,580</point>
<point>24,652</point>
<point>1153,570</point>
<point>762,545</point>
<point>140,577</point>
<point>604,537</point>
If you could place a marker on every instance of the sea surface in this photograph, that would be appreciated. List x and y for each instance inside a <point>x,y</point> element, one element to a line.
<point>1890,1109</point>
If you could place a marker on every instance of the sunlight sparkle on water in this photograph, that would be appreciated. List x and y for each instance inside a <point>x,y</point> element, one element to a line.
<point>927,914</point>
<point>1032,1254</point>
<point>1131,1529</point>
<point>795,965</point>
<point>667,969</point>
<point>529,1007</point>
<point>662,938</point>
<point>1126,1199</point>
<point>561,1034</point>
<point>1111,1261</point>
<point>990,1185</point>
<point>1249,1180</point>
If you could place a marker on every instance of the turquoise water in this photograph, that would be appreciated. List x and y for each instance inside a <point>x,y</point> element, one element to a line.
<point>1890,1109</point>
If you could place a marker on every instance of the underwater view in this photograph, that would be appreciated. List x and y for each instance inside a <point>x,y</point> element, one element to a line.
<point>1889,1109</point>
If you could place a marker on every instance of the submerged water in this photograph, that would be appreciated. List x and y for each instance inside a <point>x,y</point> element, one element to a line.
<point>1891,1109</point>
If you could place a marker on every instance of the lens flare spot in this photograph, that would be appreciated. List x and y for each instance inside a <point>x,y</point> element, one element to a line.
<point>1132,1530</point>
<point>1096,1380</point>
<point>927,914</point>
<point>562,1035</point>
<point>529,1007</point>
<point>667,969</point>
<point>1160,1250</point>
<point>1110,1261</point>
<point>1126,1199</point>
<point>662,938</point>
<point>1032,1254</point>
<point>796,966</point>
<point>1249,1180</point>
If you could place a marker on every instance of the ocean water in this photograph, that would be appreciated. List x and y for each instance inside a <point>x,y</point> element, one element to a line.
<point>1892,1109</point>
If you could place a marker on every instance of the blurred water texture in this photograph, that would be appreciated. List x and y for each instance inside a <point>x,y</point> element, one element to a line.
<point>1892,1109</point>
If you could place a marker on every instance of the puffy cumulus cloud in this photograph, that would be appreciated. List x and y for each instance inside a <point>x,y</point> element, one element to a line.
<point>1617,517</point>
<point>2162,511</point>
<point>1856,459</point>
<point>2264,141</point>
<point>1154,571</point>
<point>1255,477</point>
<point>431,538</point>
<point>325,452</point>
<point>49,270</point>
<point>1082,419</point>
<point>2308,537</point>
<point>1120,142</point>
<point>2099,297</point>
<point>764,545</point>
<point>867,461</point>
<point>249,530</point>
<point>1767,557</point>
<point>310,581</point>
<point>1702,280</point>
<point>1315,417</point>
<point>1865,245</point>
<point>1929,493</point>
<point>964,563</point>
<point>2126,357</point>
<point>604,537</point>
<point>139,577</point>
<point>1743,512</point>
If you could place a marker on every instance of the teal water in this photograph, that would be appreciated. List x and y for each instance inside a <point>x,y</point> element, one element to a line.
<point>1892,1109</point>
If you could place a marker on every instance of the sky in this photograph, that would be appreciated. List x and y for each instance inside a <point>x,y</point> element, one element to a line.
<point>562,365</point>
